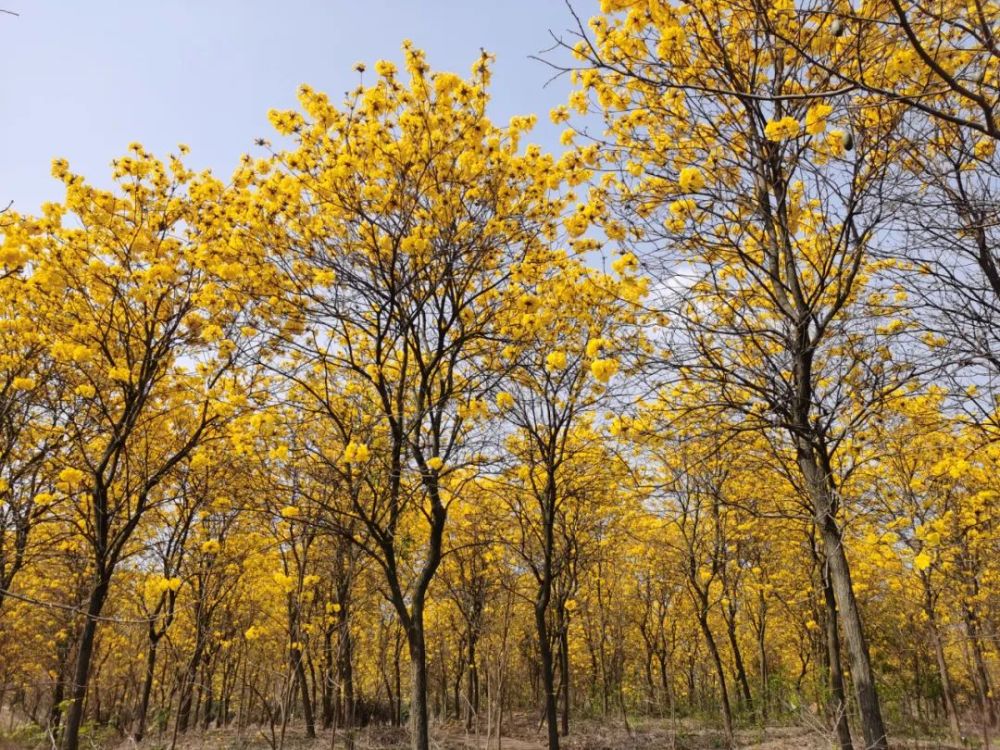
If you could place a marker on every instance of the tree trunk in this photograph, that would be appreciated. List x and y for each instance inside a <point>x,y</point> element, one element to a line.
<point>865,693</point>
<point>837,705</point>
<point>71,738</point>
<point>345,657</point>
<point>765,699</point>
<point>818,482</point>
<point>188,681</point>
<point>472,685</point>
<point>307,708</point>
<point>419,727</point>
<point>564,676</point>
<point>548,670</point>
<point>727,711</point>
<point>947,693</point>
<point>147,689</point>
<point>329,680</point>
<point>741,672</point>
<point>980,675</point>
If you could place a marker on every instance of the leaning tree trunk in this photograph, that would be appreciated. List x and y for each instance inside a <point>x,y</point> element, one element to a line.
<point>147,689</point>
<point>947,691</point>
<point>74,719</point>
<point>307,706</point>
<point>741,672</point>
<point>819,484</point>
<point>838,698</point>
<point>727,710</point>
<point>862,676</point>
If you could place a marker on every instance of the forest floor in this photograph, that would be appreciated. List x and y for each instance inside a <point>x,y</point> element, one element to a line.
<point>519,734</point>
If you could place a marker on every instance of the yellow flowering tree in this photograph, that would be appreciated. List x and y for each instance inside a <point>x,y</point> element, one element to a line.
<point>761,176</point>
<point>572,327</point>
<point>395,221</point>
<point>128,308</point>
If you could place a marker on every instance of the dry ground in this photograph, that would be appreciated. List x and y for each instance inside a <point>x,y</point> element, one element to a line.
<point>519,734</point>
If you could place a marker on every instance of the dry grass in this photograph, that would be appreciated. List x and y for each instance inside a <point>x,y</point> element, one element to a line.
<point>521,732</point>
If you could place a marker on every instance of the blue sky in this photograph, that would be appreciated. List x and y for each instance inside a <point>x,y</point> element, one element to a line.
<point>81,80</point>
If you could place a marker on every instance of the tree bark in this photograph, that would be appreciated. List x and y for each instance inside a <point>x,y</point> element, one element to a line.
<point>741,672</point>
<point>727,710</point>
<point>564,676</point>
<point>419,727</point>
<point>980,674</point>
<point>147,689</point>
<point>819,484</point>
<point>837,705</point>
<point>74,719</point>
<point>307,707</point>
<point>947,691</point>
<point>548,671</point>
<point>472,685</point>
<point>542,599</point>
<point>872,725</point>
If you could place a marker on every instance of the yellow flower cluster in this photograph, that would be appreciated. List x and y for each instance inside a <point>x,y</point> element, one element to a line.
<point>355,453</point>
<point>504,400</point>
<point>604,369</point>
<point>783,129</point>
<point>555,360</point>
<point>816,118</point>
<point>691,179</point>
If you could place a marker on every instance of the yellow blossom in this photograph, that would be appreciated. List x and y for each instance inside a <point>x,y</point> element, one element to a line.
<point>691,179</point>
<point>555,360</point>
<point>603,369</point>
<point>355,453</point>
<point>783,129</point>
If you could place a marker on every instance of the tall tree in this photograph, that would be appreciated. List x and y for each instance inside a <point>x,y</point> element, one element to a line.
<point>401,218</point>
<point>765,183</point>
<point>133,331</point>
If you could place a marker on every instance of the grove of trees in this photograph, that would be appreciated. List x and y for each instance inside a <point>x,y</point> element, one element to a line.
<point>409,421</point>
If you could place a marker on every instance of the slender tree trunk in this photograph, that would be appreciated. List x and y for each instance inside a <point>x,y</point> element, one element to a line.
<point>55,710</point>
<point>727,711</point>
<point>147,689</point>
<point>980,674</point>
<point>564,676</point>
<point>345,658</point>
<point>472,684</point>
<point>398,712</point>
<point>329,679</point>
<point>837,705</point>
<point>764,699</point>
<point>866,694</point>
<point>85,653</point>
<point>665,682</point>
<point>741,672</point>
<point>188,681</point>
<point>947,691</point>
<point>419,727</point>
<point>548,670</point>
<point>307,707</point>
